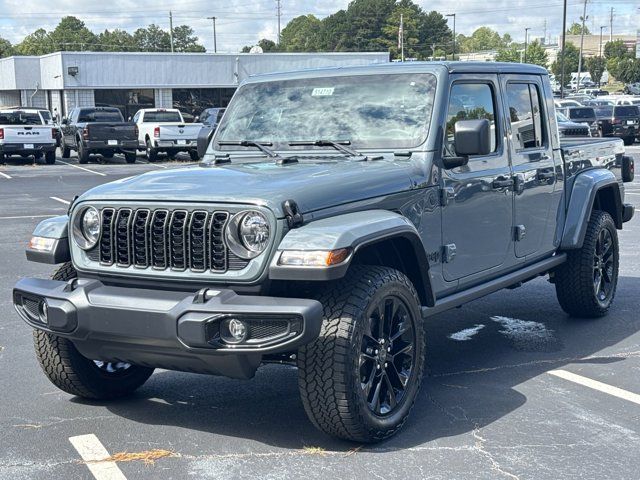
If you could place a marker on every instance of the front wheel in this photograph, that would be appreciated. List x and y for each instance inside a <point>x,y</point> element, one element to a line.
<point>152,153</point>
<point>66,151</point>
<point>360,378</point>
<point>73,373</point>
<point>628,140</point>
<point>586,283</point>
<point>83,154</point>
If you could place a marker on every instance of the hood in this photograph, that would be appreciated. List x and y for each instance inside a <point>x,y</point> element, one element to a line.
<point>313,186</point>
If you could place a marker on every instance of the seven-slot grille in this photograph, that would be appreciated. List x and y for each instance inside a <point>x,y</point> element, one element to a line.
<point>179,239</point>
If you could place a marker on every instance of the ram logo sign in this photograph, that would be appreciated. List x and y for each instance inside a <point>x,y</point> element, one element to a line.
<point>28,133</point>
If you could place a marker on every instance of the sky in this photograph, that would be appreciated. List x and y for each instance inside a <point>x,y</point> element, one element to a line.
<point>244,22</point>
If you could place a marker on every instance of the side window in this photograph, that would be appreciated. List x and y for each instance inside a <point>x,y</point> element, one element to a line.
<point>525,115</point>
<point>136,117</point>
<point>470,101</point>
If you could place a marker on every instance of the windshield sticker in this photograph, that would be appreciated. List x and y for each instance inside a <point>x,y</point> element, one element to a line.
<point>322,92</point>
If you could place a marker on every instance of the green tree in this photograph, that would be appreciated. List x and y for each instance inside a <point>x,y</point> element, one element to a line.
<point>265,44</point>
<point>595,67</point>
<point>36,43</point>
<point>301,34</point>
<point>185,40</point>
<point>483,38</point>
<point>71,34</point>
<point>616,49</point>
<point>434,30</point>
<point>626,70</point>
<point>571,56</point>
<point>6,49</point>
<point>513,53</point>
<point>116,41</point>
<point>152,39</point>
<point>576,29</point>
<point>411,23</point>
<point>536,54</point>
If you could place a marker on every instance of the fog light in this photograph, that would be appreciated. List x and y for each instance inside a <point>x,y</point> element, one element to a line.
<point>233,331</point>
<point>44,311</point>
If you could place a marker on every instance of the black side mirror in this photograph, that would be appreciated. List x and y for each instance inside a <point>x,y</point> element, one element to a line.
<point>472,137</point>
<point>65,121</point>
<point>204,139</point>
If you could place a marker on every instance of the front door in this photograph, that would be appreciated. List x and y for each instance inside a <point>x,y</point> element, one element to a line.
<point>477,211</point>
<point>533,165</point>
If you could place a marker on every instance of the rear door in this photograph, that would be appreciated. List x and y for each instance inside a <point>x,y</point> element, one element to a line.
<point>477,215</point>
<point>533,163</point>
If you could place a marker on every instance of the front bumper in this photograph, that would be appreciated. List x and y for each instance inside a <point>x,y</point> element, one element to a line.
<point>30,148</point>
<point>167,329</point>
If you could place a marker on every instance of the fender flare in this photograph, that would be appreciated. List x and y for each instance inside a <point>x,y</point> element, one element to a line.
<point>55,228</point>
<point>584,190</point>
<point>354,231</point>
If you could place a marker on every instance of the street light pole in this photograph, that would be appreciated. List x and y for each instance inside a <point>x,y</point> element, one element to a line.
<point>453,57</point>
<point>564,34</point>
<point>601,28</point>
<point>584,18</point>
<point>526,41</point>
<point>215,45</point>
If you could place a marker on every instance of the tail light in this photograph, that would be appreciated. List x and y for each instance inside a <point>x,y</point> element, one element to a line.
<point>136,130</point>
<point>1,133</point>
<point>156,132</point>
<point>54,132</point>
<point>85,133</point>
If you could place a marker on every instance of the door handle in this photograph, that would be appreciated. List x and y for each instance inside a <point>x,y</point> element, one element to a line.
<point>502,182</point>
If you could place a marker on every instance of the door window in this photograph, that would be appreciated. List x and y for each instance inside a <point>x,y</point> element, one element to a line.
<point>525,115</point>
<point>470,101</point>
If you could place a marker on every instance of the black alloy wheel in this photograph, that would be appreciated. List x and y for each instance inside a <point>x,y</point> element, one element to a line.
<point>603,266</point>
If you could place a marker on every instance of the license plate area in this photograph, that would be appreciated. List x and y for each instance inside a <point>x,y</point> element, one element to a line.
<point>28,146</point>
<point>112,142</point>
<point>181,142</point>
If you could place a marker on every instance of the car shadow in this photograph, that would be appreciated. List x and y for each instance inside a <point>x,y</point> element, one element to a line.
<point>468,384</point>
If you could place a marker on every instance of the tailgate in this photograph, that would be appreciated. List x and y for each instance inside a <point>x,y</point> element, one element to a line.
<point>112,131</point>
<point>179,131</point>
<point>28,134</point>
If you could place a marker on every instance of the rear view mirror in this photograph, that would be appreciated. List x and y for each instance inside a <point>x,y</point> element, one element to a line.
<point>204,138</point>
<point>472,137</point>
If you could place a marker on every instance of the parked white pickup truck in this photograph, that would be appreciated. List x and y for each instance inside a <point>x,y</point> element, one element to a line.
<point>24,132</point>
<point>164,130</point>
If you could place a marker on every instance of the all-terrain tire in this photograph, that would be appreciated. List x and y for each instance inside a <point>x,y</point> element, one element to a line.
<point>50,157</point>
<point>152,153</point>
<point>130,157</point>
<point>73,373</point>
<point>83,153</point>
<point>194,155</point>
<point>575,279</point>
<point>329,369</point>
<point>66,151</point>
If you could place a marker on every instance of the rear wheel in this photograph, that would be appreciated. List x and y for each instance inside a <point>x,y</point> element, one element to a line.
<point>360,378</point>
<point>628,140</point>
<point>50,157</point>
<point>66,151</point>
<point>73,373</point>
<point>194,155</point>
<point>586,283</point>
<point>83,153</point>
<point>152,153</point>
<point>130,157</point>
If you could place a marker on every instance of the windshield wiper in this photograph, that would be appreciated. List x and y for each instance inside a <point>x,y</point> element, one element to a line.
<point>263,147</point>
<point>337,144</point>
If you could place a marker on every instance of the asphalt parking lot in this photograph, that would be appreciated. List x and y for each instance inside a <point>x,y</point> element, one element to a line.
<point>514,388</point>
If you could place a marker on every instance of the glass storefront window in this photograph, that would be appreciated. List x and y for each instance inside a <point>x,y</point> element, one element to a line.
<point>128,101</point>
<point>194,100</point>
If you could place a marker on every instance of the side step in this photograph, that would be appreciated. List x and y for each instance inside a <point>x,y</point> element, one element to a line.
<point>527,273</point>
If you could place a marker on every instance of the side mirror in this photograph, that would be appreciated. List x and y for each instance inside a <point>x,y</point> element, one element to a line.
<point>204,138</point>
<point>472,137</point>
<point>65,121</point>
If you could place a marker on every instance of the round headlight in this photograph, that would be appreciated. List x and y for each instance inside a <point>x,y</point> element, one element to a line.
<point>86,228</point>
<point>248,234</point>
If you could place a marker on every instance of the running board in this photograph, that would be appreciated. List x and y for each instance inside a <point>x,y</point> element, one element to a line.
<point>484,289</point>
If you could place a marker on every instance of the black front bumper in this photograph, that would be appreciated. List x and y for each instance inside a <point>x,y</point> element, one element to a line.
<point>167,329</point>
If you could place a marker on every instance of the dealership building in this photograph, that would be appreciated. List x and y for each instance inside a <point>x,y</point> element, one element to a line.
<point>190,81</point>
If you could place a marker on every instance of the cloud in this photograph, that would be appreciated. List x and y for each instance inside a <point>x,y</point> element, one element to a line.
<point>244,22</point>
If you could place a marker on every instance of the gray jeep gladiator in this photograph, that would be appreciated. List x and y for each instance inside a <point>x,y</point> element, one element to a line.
<point>334,212</point>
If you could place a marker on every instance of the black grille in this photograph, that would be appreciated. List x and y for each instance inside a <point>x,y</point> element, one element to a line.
<point>166,239</point>
<point>576,132</point>
<point>267,329</point>
<point>32,307</point>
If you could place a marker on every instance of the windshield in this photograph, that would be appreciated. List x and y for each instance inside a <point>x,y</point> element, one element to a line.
<point>163,117</point>
<point>373,111</point>
<point>626,111</point>
<point>100,116</point>
<point>606,111</point>
<point>46,116</point>
<point>581,113</point>
<point>19,118</point>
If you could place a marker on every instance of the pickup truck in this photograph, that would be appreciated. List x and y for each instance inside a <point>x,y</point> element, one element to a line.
<point>621,121</point>
<point>164,130</point>
<point>98,131</point>
<point>24,132</point>
<point>334,211</point>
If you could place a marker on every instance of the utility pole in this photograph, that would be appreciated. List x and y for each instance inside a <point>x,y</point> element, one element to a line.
<point>611,25</point>
<point>171,29</point>
<point>279,17</point>
<point>215,45</point>
<point>564,34</point>
<point>584,17</point>
<point>601,28</point>
<point>545,31</point>
<point>526,41</point>
<point>453,57</point>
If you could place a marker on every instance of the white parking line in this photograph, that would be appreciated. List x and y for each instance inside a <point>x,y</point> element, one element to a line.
<point>66,202</point>
<point>82,168</point>
<point>4,175</point>
<point>93,452</point>
<point>596,385</point>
